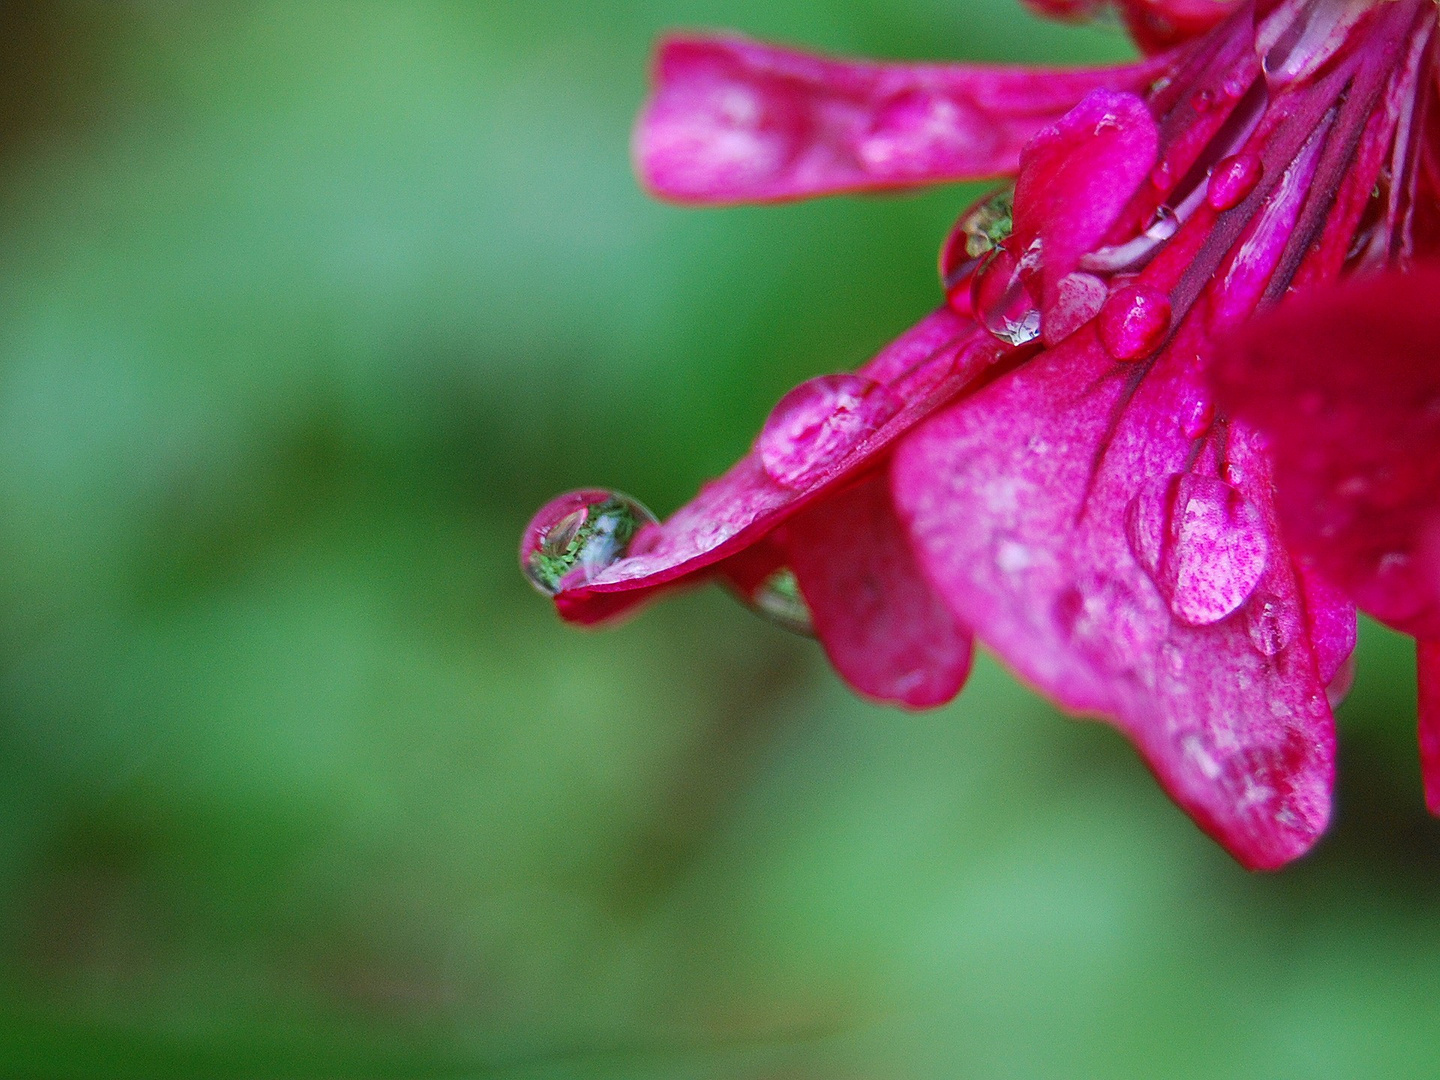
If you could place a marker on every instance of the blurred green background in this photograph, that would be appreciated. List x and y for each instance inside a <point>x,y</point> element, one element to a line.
<point>304,307</point>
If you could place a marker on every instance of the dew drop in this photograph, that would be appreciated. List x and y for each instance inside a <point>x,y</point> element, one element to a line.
<point>1233,180</point>
<point>578,535</point>
<point>1270,624</point>
<point>778,600</point>
<point>1197,421</point>
<point>977,232</point>
<point>818,423</point>
<point>1134,322</point>
<point>1203,101</point>
<point>1202,542</point>
<point>1001,299</point>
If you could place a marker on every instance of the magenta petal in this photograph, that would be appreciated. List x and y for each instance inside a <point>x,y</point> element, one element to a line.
<point>733,120</point>
<point>1017,502</point>
<point>1076,177</point>
<point>1427,671</point>
<point>801,455</point>
<point>1344,381</point>
<point>882,625</point>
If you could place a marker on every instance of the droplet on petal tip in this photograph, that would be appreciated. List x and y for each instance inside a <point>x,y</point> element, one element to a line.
<point>817,424</point>
<point>576,536</point>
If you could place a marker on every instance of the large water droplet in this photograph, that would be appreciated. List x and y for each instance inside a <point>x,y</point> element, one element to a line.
<point>577,535</point>
<point>1202,542</point>
<point>1270,624</point>
<point>979,230</point>
<point>1233,180</point>
<point>1134,322</point>
<point>1001,298</point>
<point>818,423</point>
<point>778,599</point>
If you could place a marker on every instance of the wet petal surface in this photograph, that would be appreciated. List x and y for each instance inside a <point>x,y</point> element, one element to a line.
<point>734,120</point>
<point>1018,500</point>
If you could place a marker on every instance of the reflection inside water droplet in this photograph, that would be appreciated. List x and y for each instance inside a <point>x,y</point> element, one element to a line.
<point>978,231</point>
<point>778,599</point>
<point>576,536</point>
<point>817,424</point>
<point>1000,298</point>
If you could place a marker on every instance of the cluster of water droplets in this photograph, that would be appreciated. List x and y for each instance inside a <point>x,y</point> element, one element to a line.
<point>577,536</point>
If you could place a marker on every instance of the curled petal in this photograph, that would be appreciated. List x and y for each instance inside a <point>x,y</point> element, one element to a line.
<point>1344,382</point>
<point>1034,509</point>
<point>822,435</point>
<point>1076,177</point>
<point>881,624</point>
<point>734,120</point>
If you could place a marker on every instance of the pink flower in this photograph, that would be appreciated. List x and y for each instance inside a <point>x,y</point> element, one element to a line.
<point>1041,462</point>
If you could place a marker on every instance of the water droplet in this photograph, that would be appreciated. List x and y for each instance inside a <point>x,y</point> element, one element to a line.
<point>778,599</point>
<point>1078,299</point>
<point>1161,176</point>
<point>1202,542</point>
<point>818,423</point>
<point>1002,301</point>
<point>1197,422</point>
<point>1271,624</point>
<point>978,231</point>
<point>1233,180</point>
<point>1203,101</point>
<point>577,535</point>
<point>1134,322</point>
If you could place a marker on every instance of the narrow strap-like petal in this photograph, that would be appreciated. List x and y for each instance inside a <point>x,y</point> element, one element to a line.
<point>1066,515</point>
<point>734,120</point>
<point>1345,383</point>
<point>883,627</point>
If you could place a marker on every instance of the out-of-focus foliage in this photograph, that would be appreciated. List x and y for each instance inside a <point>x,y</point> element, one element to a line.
<point>303,309</point>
